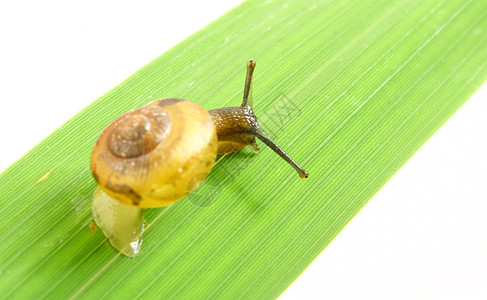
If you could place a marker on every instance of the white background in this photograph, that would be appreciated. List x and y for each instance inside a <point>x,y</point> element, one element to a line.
<point>423,236</point>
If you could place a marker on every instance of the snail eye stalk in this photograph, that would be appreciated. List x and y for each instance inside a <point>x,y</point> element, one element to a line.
<point>247,97</point>
<point>266,139</point>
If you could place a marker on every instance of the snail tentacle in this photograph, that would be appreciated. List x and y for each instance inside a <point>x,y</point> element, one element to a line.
<point>238,127</point>
<point>266,139</point>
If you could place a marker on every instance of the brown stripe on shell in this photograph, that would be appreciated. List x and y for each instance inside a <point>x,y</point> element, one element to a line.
<point>125,190</point>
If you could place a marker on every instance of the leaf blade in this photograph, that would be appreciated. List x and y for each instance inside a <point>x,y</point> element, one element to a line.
<point>379,91</point>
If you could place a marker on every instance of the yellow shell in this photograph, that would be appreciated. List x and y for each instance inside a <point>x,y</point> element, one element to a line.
<point>157,154</point>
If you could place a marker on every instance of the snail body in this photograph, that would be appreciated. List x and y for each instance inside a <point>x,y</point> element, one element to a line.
<point>155,155</point>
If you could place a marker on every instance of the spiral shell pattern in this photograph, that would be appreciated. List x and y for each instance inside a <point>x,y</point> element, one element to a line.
<point>148,156</point>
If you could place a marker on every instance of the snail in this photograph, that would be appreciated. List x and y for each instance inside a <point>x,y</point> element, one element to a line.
<point>155,155</point>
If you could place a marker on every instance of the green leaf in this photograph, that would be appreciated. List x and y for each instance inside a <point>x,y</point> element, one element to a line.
<point>350,89</point>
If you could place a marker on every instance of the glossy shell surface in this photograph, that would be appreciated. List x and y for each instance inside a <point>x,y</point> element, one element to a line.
<point>157,154</point>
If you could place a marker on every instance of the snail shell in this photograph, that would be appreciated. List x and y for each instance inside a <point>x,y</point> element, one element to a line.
<point>157,154</point>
